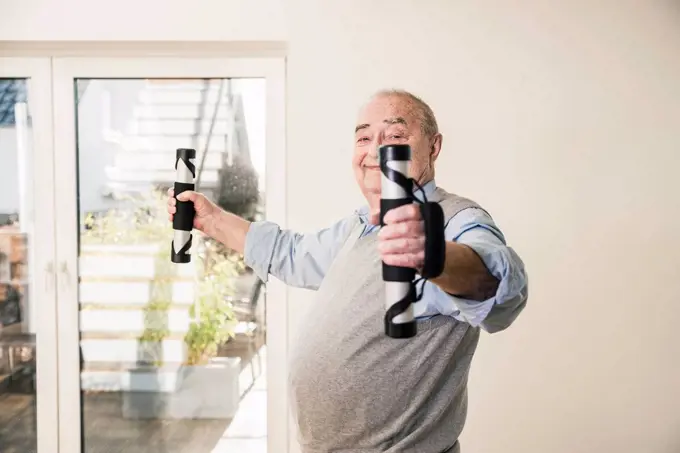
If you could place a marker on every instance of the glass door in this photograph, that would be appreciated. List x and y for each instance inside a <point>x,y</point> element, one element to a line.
<point>156,356</point>
<point>28,352</point>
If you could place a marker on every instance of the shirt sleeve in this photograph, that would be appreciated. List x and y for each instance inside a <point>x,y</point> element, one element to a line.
<point>297,259</point>
<point>475,228</point>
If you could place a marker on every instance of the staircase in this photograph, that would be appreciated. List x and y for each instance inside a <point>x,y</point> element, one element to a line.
<point>118,286</point>
<point>177,114</point>
<point>116,280</point>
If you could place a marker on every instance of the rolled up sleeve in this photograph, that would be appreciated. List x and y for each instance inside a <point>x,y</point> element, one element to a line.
<point>297,259</point>
<point>475,228</point>
<point>259,247</point>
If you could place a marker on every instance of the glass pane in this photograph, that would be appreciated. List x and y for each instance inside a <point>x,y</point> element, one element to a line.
<point>172,355</point>
<point>17,319</point>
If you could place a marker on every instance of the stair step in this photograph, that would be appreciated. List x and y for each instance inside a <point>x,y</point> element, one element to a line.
<point>181,84</point>
<point>163,160</point>
<point>108,262</point>
<point>117,266</point>
<point>127,366</point>
<point>154,143</point>
<point>127,293</point>
<point>180,96</point>
<point>121,249</point>
<point>128,307</point>
<point>181,111</point>
<point>115,322</point>
<point>126,347</point>
<point>158,176</point>
<point>172,127</point>
<point>126,335</point>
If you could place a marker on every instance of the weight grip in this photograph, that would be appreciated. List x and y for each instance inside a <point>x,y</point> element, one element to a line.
<point>396,191</point>
<point>183,220</point>
<point>184,217</point>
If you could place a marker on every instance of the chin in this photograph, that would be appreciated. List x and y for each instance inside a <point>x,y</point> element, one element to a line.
<point>372,183</point>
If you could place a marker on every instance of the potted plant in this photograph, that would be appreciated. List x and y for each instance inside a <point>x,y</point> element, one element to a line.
<point>210,384</point>
<point>128,280</point>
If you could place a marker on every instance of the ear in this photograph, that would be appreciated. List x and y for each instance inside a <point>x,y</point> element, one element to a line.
<point>436,146</point>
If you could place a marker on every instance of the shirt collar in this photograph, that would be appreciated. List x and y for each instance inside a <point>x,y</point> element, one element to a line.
<point>428,188</point>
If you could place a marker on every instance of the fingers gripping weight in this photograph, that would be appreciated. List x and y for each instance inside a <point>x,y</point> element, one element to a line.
<point>396,191</point>
<point>183,220</point>
<point>400,288</point>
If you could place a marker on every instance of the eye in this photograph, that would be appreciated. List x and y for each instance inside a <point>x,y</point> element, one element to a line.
<point>362,139</point>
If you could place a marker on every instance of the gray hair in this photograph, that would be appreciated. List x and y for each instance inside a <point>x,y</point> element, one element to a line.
<point>428,122</point>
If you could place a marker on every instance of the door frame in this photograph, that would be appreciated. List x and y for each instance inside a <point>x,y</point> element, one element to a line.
<point>65,71</point>
<point>41,244</point>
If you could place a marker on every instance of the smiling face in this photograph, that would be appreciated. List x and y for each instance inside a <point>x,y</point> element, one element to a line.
<point>392,119</point>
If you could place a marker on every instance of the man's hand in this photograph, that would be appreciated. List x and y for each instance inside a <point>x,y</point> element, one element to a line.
<point>401,242</point>
<point>225,227</point>
<point>206,210</point>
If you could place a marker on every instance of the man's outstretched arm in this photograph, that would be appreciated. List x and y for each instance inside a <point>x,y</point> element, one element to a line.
<point>483,282</point>
<point>298,259</point>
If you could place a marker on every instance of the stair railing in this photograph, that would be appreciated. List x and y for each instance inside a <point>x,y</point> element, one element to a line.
<point>209,136</point>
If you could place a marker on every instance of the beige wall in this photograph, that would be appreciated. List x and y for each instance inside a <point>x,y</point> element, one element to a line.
<point>563,119</point>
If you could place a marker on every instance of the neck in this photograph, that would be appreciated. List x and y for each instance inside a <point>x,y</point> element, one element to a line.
<point>373,199</point>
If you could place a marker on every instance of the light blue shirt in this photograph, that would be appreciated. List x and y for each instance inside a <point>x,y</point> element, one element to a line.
<point>301,260</point>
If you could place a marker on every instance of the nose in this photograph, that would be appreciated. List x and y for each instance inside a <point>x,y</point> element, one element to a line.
<point>377,143</point>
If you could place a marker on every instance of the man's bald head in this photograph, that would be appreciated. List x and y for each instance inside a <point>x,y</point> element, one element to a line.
<point>421,109</point>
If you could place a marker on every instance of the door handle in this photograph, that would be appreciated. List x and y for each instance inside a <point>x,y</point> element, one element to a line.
<point>66,276</point>
<point>49,276</point>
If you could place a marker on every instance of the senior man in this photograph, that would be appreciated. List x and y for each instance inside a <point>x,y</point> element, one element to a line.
<point>353,389</point>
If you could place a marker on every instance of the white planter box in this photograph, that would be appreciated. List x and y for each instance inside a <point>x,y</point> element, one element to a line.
<point>147,379</point>
<point>210,391</point>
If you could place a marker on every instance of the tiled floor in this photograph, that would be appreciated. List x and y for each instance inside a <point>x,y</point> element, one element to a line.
<point>247,432</point>
<point>106,431</point>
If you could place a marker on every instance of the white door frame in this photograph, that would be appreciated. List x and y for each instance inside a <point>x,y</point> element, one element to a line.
<point>41,244</point>
<point>65,71</point>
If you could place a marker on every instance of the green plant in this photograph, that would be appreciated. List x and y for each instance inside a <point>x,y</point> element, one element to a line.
<point>140,219</point>
<point>156,311</point>
<point>213,316</point>
<point>143,220</point>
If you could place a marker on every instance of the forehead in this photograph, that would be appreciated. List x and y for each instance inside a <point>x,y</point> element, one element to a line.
<point>382,108</point>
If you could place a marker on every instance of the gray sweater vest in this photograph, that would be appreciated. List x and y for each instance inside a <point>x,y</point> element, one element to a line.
<point>355,390</point>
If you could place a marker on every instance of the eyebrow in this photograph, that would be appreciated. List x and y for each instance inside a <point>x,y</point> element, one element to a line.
<point>395,120</point>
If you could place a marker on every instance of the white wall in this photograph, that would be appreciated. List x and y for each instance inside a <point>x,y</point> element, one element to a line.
<point>562,118</point>
<point>148,20</point>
